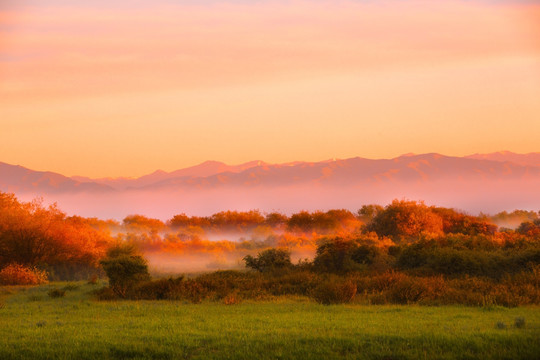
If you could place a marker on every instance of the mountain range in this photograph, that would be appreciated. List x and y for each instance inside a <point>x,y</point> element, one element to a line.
<point>495,176</point>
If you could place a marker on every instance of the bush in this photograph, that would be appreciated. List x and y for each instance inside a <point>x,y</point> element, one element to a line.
<point>125,268</point>
<point>336,256</point>
<point>170,289</point>
<point>158,289</point>
<point>56,293</point>
<point>269,260</point>
<point>406,220</point>
<point>16,274</point>
<point>105,294</point>
<point>70,287</point>
<point>193,291</point>
<point>93,280</point>
<point>232,299</point>
<point>409,291</point>
<point>335,292</point>
<point>221,283</point>
<point>519,322</point>
<point>293,283</point>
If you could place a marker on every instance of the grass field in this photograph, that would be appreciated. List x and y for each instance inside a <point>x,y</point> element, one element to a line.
<point>35,326</point>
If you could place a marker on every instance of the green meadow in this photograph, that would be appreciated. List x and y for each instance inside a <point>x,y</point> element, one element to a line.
<point>34,325</point>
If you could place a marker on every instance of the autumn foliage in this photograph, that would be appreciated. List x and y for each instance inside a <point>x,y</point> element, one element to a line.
<point>35,236</point>
<point>405,252</point>
<point>16,274</point>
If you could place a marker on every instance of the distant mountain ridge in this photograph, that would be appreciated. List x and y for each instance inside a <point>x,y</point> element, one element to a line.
<point>207,168</point>
<point>15,178</point>
<point>530,159</point>
<point>488,183</point>
<point>339,172</point>
<point>417,168</point>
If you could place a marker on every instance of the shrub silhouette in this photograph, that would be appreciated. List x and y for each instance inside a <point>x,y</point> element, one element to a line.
<point>71,287</point>
<point>519,322</point>
<point>56,293</point>
<point>125,268</point>
<point>158,289</point>
<point>105,294</point>
<point>335,292</point>
<point>269,260</point>
<point>335,256</point>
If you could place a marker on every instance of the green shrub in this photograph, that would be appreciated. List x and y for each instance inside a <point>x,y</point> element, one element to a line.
<point>125,268</point>
<point>269,260</point>
<point>336,256</point>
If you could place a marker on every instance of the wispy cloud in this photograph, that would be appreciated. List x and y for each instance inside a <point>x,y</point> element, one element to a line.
<point>320,78</point>
<point>62,50</point>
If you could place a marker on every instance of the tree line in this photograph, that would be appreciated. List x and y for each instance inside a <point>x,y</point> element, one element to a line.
<point>406,252</point>
<point>404,244</point>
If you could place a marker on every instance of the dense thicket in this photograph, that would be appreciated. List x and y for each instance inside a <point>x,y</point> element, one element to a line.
<point>37,236</point>
<point>404,252</point>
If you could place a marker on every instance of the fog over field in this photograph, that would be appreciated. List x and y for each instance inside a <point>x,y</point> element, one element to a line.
<point>269,179</point>
<point>472,197</point>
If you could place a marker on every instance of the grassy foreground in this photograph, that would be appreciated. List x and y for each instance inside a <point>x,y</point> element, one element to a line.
<point>35,326</point>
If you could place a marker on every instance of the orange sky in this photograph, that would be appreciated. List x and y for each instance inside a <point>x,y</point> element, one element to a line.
<point>125,89</point>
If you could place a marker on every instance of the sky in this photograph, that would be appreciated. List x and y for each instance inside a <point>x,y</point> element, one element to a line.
<point>101,88</point>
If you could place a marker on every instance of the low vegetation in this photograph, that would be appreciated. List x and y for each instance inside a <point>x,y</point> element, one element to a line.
<point>450,270</point>
<point>16,274</point>
<point>481,285</point>
<point>36,326</point>
<point>404,253</point>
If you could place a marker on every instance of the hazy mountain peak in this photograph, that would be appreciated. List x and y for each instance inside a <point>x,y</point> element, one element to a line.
<point>210,162</point>
<point>158,172</point>
<point>530,159</point>
<point>456,181</point>
<point>16,178</point>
